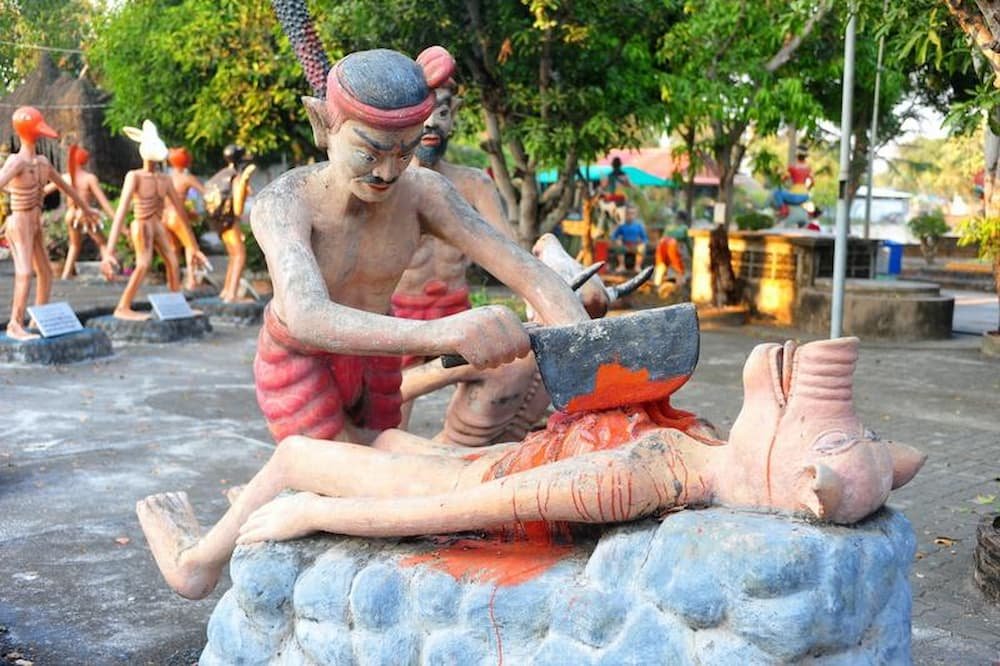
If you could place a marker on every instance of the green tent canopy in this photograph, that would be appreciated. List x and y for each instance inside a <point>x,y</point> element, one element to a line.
<point>593,172</point>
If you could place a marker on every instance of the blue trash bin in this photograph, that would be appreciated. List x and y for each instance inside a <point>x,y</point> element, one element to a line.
<point>892,251</point>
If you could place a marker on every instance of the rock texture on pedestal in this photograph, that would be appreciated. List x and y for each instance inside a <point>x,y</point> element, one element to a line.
<point>986,558</point>
<point>152,330</point>
<point>249,313</point>
<point>80,345</point>
<point>703,587</point>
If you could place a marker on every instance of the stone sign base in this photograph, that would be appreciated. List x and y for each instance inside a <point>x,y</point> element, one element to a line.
<point>713,586</point>
<point>152,330</point>
<point>250,313</point>
<point>79,345</point>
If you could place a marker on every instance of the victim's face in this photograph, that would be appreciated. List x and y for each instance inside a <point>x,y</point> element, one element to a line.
<point>370,158</point>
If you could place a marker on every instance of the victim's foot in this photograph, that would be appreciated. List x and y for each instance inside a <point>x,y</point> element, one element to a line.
<point>16,331</point>
<point>131,315</point>
<point>171,529</point>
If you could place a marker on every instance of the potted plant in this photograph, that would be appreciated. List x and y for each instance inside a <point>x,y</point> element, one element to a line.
<point>928,227</point>
<point>985,232</point>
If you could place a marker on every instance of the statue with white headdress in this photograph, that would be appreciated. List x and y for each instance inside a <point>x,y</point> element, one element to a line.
<point>145,189</point>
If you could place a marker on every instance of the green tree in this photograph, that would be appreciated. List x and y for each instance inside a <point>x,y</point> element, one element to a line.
<point>728,71</point>
<point>62,25</point>
<point>550,82</point>
<point>207,73</point>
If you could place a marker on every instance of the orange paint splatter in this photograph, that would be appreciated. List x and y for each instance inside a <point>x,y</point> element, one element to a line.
<point>492,560</point>
<point>616,386</point>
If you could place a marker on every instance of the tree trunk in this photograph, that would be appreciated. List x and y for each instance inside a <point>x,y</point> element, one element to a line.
<point>692,172</point>
<point>724,283</point>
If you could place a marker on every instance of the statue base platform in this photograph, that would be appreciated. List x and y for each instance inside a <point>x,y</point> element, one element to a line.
<point>249,313</point>
<point>152,330</point>
<point>713,586</point>
<point>81,345</point>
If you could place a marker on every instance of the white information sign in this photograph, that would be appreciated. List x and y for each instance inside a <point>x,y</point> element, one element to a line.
<point>171,305</point>
<point>55,319</point>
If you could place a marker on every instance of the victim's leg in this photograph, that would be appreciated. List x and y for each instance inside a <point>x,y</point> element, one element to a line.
<point>191,564</point>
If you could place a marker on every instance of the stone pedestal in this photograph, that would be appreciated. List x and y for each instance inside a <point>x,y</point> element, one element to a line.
<point>250,313</point>
<point>77,346</point>
<point>152,330</point>
<point>703,587</point>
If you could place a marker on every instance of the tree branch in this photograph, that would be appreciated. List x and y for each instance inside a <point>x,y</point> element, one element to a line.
<point>788,50</point>
<point>974,26</point>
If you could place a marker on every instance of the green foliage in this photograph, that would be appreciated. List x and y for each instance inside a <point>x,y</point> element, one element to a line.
<point>928,225</point>
<point>944,167</point>
<point>754,221</point>
<point>983,232</point>
<point>208,73</point>
<point>58,24</point>
<point>482,296</point>
<point>256,262</point>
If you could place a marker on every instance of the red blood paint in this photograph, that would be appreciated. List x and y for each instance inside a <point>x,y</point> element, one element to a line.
<point>615,386</point>
<point>492,560</point>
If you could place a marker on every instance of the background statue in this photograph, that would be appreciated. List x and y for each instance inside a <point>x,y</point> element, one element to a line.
<point>225,196</point>
<point>89,189</point>
<point>25,174</point>
<point>184,181</point>
<point>434,284</point>
<point>146,189</point>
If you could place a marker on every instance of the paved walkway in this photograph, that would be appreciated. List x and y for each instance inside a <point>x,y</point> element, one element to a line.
<point>79,444</point>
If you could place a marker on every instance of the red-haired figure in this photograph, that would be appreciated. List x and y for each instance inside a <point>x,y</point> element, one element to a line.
<point>178,225</point>
<point>89,188</point>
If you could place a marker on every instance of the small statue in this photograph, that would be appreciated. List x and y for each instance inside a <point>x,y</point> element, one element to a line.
<point>89,188</point>
<point>225,196</point>
<point>183,182</point>
<point>797,446</point>
<point>25,174</point>
<point>146,189</point>
<point>338,236</point>
<point>434,284</point>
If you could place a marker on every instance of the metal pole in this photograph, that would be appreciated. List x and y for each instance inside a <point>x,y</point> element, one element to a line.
<point>873,136</point>
<point>840,242</point>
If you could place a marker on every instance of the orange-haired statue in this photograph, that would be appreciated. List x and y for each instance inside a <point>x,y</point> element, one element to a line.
<point>25,174</point>
<point>183,181</point>
<point>89,188</point>
<point>147,189</point>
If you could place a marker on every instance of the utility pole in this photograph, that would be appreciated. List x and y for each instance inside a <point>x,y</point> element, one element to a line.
<point>843,208</point>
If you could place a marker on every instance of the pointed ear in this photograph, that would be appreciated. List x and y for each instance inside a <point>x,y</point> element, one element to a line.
<point>133,133</point>
<point>906,462</point>
<point>819,490</point>
<point>318,118</point>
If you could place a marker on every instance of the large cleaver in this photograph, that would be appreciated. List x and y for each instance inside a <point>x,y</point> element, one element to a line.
<point>616,361</point>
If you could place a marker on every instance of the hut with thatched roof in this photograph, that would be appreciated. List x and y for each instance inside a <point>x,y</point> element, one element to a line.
<point>75,108</point>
